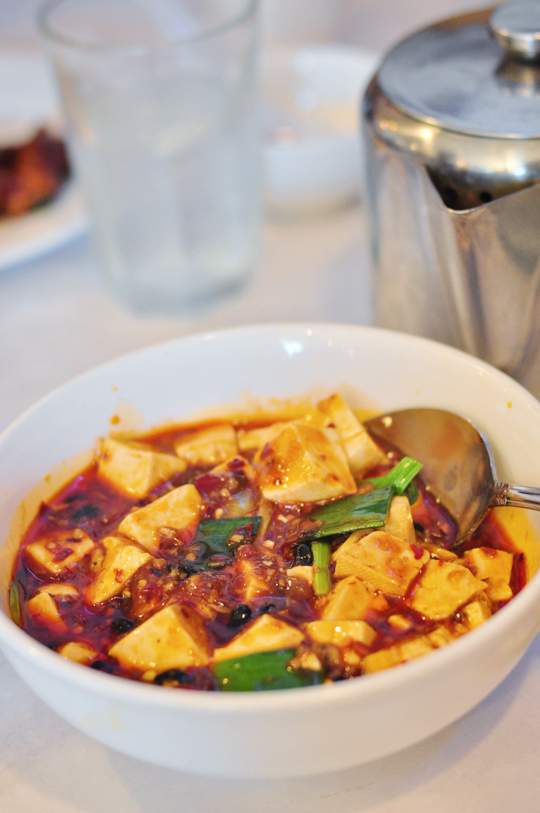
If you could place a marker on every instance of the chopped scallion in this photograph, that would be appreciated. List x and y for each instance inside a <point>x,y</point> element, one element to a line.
<point>263,671</point>
<point>15,604</point>
<point>322,552</point>
<point>400,477</point>
<point>355,513</point>
<point>412,493</point>
<point>227,533</point>
<point>215,541</point>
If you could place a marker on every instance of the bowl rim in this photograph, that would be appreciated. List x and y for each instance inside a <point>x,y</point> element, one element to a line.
<point>224,703</point>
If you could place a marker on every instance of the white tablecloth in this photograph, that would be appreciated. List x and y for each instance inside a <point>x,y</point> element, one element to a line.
<point>56,321</point>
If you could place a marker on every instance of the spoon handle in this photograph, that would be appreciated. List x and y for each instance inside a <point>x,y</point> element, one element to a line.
<point>519,496</point>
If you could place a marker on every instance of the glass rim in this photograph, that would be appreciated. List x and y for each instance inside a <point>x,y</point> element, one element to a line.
<point>54,36</point>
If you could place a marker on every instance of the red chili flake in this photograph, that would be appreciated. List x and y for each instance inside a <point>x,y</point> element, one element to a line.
<point>208,482</point>
<point>489,552</point>
<point>417,550</point>
<point>236,464</point>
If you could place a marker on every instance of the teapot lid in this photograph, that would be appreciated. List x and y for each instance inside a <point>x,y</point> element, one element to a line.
<point>476,73</point>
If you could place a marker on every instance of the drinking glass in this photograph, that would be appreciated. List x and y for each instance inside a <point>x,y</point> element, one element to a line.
<point>159,99</point>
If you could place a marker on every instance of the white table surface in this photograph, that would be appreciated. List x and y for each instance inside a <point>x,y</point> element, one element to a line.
<point>56,321</point>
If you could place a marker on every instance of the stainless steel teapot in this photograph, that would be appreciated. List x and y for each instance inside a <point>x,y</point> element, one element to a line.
<point>451,125</point>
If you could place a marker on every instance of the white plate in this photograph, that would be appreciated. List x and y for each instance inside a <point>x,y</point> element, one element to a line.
<point>28,100</point>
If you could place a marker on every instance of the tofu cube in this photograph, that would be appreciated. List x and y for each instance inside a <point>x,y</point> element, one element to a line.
<point>172,638</point>
<point>135,469</point>
<point>179,510</point>
<point>498,590</point>
<point>399,622</point>
<point>361,450</point>
<point>407,650</point>
<point>61,592</point>
<point>265,634</point>
<point>443,588</point>
<point>59,552</point>
<point>121,561</point>
<point>399,521</point>
<point>440,636</point>
<point>341,633</point>
<point>351,540</point>
<point>207,447</point>
<point>396,654</point>
<point>43,605</point>
<point>476,612</point>
<point>43,608</point>
<point>251,582</point>
<point>349,599</point>
<point>306,660</point>
<point>249,440</point>
<point>385,563</point>
<point>494,567</point>
<point>488,563</point>
<point>304,572</point>
<point>78,652</point>
<point>303,464</point>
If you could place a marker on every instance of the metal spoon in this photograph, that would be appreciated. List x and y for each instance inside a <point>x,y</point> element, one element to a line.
<point>457,462</point>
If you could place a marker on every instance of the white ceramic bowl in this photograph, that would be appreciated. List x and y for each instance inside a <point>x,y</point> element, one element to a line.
<point>293,732</point>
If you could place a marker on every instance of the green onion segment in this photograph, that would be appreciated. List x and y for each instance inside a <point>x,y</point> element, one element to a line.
<point>353,513</point>
<point>263,671</point>
<point>322,552</point>
<point>399,477</point>
<point>216,533</point>
<point>15,604</point>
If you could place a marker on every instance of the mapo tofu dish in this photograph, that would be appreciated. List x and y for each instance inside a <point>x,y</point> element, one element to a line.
<point>253,554</point>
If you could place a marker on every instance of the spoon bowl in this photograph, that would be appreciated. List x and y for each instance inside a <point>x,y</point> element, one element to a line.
<point>458,466</point>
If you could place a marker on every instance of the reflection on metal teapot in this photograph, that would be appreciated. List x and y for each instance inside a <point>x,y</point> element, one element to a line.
<point>517,78</point>
<point>452,148</point>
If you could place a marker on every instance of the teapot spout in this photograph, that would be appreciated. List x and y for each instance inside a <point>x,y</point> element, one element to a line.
<point>467,190</point>
<point>469,277</point>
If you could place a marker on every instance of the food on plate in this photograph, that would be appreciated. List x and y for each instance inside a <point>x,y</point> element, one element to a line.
<point>31,173</point>
<point>254,553</point>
